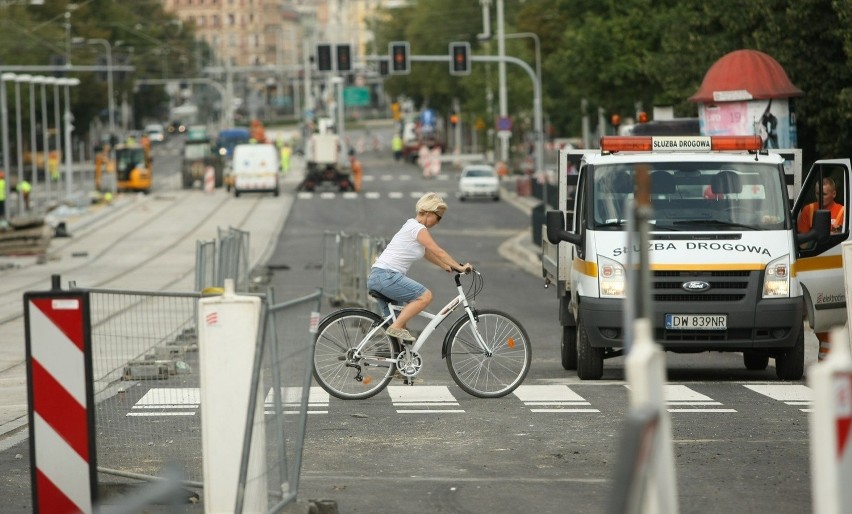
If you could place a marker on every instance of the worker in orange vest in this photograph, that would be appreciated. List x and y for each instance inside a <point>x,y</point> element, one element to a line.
<point>357,170</point>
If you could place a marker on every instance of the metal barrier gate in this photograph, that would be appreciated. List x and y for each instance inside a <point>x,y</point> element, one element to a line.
<point>282,371</point>
<point>225,257</point>
<point>146,388</point>
<point>347,259</point>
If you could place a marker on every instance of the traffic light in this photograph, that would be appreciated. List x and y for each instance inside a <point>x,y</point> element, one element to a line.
<point>324,57</point>
<point>460,58</point>
<point>344,58</point>
<point>454,119</point>
<point>615,120</point>
<point>384,70</point>
<point>399,57</point>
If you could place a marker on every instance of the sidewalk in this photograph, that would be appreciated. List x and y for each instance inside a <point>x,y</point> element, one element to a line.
<point>139,242</point>
<point>520,248</point>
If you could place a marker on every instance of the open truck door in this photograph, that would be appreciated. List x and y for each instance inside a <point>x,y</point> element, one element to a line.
<point>819,268</point>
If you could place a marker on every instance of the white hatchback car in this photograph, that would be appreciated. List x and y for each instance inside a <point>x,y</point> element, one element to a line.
<point>479,181</point>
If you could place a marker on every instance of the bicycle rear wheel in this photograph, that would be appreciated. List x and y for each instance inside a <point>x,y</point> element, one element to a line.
<point>498,371</point>
<point>335,368</point>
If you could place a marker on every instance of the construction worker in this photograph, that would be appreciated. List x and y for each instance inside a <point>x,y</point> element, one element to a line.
<point>396,146</point>
<point>285,153</point>
<point>2,197</point>
<point>357,170</point>
<point>53,166</point>
<point>24,189</point>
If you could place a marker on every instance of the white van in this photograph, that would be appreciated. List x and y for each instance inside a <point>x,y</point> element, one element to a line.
<point>255,169</point>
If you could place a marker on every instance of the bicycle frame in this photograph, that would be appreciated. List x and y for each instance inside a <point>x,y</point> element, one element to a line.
<point>435,320</point>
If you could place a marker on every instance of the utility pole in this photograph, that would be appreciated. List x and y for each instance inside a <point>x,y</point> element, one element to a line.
<point>501,71</point>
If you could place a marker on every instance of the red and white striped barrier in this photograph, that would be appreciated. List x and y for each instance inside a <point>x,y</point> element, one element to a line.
<point>61,401</point>
<point>831,428</point>
<point>209,180</point>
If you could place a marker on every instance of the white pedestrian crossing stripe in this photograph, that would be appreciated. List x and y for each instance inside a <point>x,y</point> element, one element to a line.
<point>552,398</point>
<point>422,399</point>
<point>292,398</point>
<point>167,401</point>
<point>679,396</point>
<point>791,394</point>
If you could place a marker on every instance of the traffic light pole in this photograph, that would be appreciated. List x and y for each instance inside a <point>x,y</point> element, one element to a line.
<point>538,124</point>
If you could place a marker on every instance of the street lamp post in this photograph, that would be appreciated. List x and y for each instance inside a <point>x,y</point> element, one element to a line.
<point>68,128</point>
<point>57,122</point>
<point>42,81</point>
<point>4,120</point>
<point>111,103</point>
<point>539,137</point>
<point>19,79</point>
<point>33,140</point>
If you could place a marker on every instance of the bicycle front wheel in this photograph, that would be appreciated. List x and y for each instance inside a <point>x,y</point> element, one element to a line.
<point>337,370</point>
<point>496,370</point>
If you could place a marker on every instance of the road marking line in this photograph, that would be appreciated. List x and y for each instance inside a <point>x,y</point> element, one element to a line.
<point>564,410</point>
<point>427,411</point>
<point>702,410</point>
<point>150,414</point>
<point>784,392</point>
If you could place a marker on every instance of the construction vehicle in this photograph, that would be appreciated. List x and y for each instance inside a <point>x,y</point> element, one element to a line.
<point>124,167</point>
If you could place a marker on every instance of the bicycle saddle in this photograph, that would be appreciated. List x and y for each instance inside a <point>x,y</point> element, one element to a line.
<point>379,296</point>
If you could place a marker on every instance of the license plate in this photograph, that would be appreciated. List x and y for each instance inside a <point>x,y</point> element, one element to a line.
<point>696,321</point>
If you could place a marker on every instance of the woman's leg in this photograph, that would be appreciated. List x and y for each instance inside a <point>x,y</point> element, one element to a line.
<point>412,308</point>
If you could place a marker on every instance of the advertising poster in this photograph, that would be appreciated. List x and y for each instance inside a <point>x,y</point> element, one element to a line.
<point>770,119</point>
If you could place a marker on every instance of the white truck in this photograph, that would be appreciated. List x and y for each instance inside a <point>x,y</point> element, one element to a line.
<point>324,170</point>
<point>729,271</point>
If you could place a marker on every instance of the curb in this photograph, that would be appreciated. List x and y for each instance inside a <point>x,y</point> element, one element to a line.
<point>519,248</point>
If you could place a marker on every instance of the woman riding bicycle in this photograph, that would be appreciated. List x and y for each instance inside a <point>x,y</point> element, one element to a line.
<point>412,242</point>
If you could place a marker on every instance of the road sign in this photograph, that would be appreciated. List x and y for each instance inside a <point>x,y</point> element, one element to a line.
<point>504,123</point>
<point>356,96</point>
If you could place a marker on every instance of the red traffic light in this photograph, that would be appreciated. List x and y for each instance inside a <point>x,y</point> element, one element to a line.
<point>459,58</point>
<point>399,57</point>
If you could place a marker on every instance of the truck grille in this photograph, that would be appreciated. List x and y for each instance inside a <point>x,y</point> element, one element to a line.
<point>725,286</point>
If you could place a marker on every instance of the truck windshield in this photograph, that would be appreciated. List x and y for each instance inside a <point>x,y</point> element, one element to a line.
<point>694,195</point>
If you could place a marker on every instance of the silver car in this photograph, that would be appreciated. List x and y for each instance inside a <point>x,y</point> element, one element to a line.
<point>479,181</point>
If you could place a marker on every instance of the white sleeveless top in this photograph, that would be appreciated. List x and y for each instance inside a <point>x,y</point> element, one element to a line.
<point>403,249</point>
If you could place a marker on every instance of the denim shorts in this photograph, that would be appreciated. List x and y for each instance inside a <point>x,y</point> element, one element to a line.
<point>395,286</point>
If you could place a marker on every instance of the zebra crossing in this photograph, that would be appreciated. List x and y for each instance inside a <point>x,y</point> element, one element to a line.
<point>422,399</point>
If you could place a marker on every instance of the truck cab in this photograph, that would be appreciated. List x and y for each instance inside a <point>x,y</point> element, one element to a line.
<point>729,270</point>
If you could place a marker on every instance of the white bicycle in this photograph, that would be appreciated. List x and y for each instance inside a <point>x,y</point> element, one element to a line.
<point>487,351</point>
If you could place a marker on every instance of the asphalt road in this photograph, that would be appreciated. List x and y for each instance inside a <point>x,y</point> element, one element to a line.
<point>551,447</point>
<point>740,437</point>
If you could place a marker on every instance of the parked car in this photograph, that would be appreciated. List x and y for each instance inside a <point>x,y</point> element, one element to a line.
<point>155,133</point>
<point>479,181</point>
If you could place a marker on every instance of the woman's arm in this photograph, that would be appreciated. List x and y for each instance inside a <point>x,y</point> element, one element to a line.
<point>438,256</point>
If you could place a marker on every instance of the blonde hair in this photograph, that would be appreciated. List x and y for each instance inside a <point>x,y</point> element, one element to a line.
<point>431,202</point>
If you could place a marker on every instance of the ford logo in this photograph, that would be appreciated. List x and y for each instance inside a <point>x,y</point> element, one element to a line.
<point>695,286</point>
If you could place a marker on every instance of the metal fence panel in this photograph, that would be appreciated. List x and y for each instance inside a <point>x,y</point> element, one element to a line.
<point>144,349</point>
<point>283,372</point>
<point>347,259</point>
<point>205,264</point>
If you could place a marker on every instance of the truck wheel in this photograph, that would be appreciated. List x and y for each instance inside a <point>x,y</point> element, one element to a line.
<point>755,360</point>
<point>589,360</point>
<point>569,348</point>
<point>790,365</point>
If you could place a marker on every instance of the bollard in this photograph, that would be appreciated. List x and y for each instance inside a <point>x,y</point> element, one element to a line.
<point>831,428</point>
<point>645,367</point>
<point>227,337</point>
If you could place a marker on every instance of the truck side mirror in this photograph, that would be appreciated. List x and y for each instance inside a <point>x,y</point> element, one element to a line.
<point>555,222</point>
<point>820,229</point>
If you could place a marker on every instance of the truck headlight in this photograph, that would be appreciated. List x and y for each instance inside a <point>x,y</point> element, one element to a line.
<point>610,278</point>
<point>776,278</point>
